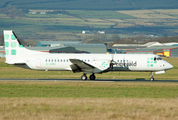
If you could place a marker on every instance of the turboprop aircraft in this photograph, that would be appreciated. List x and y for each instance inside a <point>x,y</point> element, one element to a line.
<point>18,55</point>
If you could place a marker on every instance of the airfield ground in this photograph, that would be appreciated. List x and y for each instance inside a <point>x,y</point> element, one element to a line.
<point>87,100</point>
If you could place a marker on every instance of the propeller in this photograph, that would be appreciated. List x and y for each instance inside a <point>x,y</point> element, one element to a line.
<point>112,62</point>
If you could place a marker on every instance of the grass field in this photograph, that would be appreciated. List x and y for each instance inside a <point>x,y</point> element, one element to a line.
<point>87,100</point>
<point>99,14</point>
<point>88,108</point>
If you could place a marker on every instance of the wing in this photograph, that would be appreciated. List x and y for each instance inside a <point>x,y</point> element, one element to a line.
<point>80,66</point>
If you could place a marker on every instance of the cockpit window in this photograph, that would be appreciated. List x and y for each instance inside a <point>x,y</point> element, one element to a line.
<point>159,58</point>
<point>154,58</point>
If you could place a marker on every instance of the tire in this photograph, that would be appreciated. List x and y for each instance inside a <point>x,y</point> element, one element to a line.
<point>151,79</point>
<point>84,77</point>
<point>92,77</point>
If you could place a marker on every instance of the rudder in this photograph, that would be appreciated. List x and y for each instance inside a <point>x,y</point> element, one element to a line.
<point>12,46</point>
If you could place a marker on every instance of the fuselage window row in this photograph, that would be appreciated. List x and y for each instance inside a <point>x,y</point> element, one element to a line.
<point>66,60</point>
<point>58,60</point>
<point>62,60</point>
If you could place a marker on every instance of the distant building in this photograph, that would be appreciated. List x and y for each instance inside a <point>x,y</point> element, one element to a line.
<point>33,12</point>
<point>149,44</point>
<point>85,32</point>
<point>167,51</point>
<point>55,43</point>
<point>171,43</point>
<point>2,52</point>
<point>162,49</point>
<point>74,46</point>
<point>101,32</point>
<point>43,13</point>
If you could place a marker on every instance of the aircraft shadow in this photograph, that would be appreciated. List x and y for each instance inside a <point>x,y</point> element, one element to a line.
<point>79,80</point>
<point>107,80</point>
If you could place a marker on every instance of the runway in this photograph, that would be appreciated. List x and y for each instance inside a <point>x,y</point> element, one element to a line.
<point>79,80</point>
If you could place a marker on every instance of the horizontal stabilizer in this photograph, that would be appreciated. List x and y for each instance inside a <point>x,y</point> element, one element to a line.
<point>15,62</point>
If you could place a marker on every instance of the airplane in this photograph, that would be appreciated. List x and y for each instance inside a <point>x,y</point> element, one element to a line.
<point>18,55</point>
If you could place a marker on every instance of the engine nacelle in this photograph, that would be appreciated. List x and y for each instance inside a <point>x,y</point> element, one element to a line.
<point>101,65</point>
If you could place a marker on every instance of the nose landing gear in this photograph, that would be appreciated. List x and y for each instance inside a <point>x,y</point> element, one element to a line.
<point>152,78</point>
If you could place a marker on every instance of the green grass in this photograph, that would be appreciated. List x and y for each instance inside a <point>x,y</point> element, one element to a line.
<point>99,14</point>
<point>88,90</point>
<point>47,16</point>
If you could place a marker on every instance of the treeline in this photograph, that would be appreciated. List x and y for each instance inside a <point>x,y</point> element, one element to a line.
<point>165,39</point>
<point>143,40</point>
<point>12,12</point>
<point>91,4</point>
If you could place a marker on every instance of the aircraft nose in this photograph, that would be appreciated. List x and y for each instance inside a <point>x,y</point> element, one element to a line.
<point>169,66</point>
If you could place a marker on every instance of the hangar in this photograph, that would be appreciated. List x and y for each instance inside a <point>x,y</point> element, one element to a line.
<point>167,51</point>
<point>69,47</point>
<point>122,48</point>
<point>55,43</point>
<point>2,52</point>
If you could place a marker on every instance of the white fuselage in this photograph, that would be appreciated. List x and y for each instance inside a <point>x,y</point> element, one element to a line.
<point>124,62</point>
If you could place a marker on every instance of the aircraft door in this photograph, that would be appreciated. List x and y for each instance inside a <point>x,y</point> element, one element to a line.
<point>38,63</point>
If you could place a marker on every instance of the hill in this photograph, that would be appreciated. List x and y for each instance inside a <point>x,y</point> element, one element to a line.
<point>91,4</point>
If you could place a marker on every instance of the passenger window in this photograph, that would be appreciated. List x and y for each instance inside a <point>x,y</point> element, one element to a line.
<point>117,60</point>
<point>121,60</point>
<point>49,60</point>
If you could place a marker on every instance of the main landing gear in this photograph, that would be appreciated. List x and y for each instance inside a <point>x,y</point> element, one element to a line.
<point>84,77</point>
<point>152,78</point>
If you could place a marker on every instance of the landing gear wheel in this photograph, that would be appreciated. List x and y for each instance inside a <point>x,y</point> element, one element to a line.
<point>152,79</point>
<point>84,77</point>
<point>92,77</point>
